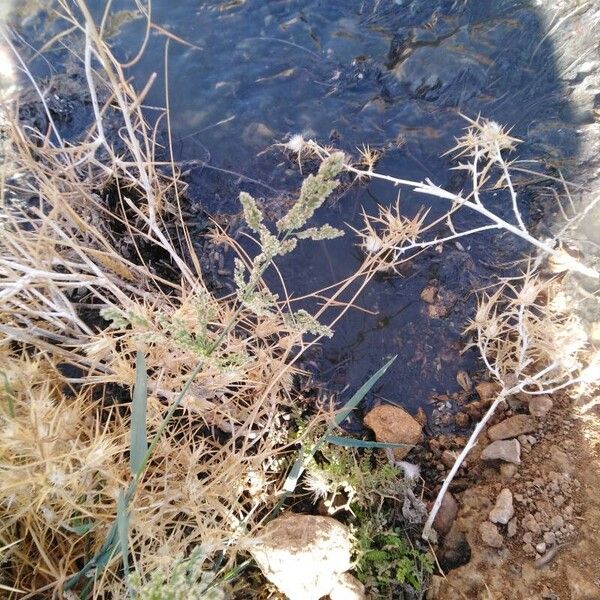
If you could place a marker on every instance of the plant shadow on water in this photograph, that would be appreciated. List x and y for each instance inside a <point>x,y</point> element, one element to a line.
<point>392,74</point>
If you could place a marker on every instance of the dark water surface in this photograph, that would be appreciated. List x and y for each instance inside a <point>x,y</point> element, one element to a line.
<point>394,75</point>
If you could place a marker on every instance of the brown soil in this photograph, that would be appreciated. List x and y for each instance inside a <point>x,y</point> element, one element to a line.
<point>559,477</point>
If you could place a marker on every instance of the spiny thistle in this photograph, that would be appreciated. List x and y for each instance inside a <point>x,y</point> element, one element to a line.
<point>524,340</point>
<point>484,139</point>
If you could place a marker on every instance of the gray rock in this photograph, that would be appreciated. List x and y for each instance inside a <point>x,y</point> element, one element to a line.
<point>539,406</point>
<point>531,524</point>
<point>503,511</point>
<point>511,530</point>
<point>506,450</point>
<point>512,427</point>
<point>550,538</point>
<point>490,535</point>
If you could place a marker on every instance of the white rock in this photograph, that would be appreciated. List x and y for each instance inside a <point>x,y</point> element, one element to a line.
<point>348,588</point>
<point>541,547</point>
<point>503,511</point>
<point>587,67</point>
<point>303,555</point>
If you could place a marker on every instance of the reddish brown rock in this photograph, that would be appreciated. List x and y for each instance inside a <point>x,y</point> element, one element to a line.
<point>443,304</point>
<point>446,515</point>
<point>421,417</point>
<point>394,425</point>
<point>461,419</point>
<point>463,379</point>
<point>429,293</point>
<point>487,390</point>
<point>474,410</point>
<point>448,458</point>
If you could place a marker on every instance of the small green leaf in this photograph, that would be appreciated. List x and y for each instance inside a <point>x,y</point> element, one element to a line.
<point>82,528</point>
<point>349,442</point>
<point>139,438</point>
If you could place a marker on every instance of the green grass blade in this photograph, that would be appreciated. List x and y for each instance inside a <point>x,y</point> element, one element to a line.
<point>123,530</point>
<point>303,458</point>
<point>364,389</point>
<point>139,436</point>
<point>292,479</point>
<point>104,555</point>
<point>349,442</point>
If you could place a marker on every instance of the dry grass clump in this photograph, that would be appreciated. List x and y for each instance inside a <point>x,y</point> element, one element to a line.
<point>61,466</point>
<point>528,336</point>
<point>96,268</point>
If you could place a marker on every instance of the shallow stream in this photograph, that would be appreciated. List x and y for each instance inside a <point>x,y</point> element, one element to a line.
<point>392,74</point>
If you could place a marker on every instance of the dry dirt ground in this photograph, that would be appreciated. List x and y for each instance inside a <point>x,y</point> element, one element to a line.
<point>558,486</point>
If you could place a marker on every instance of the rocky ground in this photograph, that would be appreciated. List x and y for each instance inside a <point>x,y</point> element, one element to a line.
<point>530,522</point>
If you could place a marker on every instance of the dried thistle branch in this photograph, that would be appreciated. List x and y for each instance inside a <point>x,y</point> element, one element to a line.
<point>530,344</point>
<point>483,146</point>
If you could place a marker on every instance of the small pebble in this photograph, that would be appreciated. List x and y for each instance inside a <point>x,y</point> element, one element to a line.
<point>508,471</point>
<point>541,547</point>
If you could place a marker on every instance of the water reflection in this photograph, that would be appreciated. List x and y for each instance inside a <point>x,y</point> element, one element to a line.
<point>394,74</point>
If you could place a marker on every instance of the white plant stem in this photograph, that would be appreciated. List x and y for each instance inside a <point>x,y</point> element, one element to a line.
<point>427,530</point>
<point>430,189</point>
<point>574,265</point>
